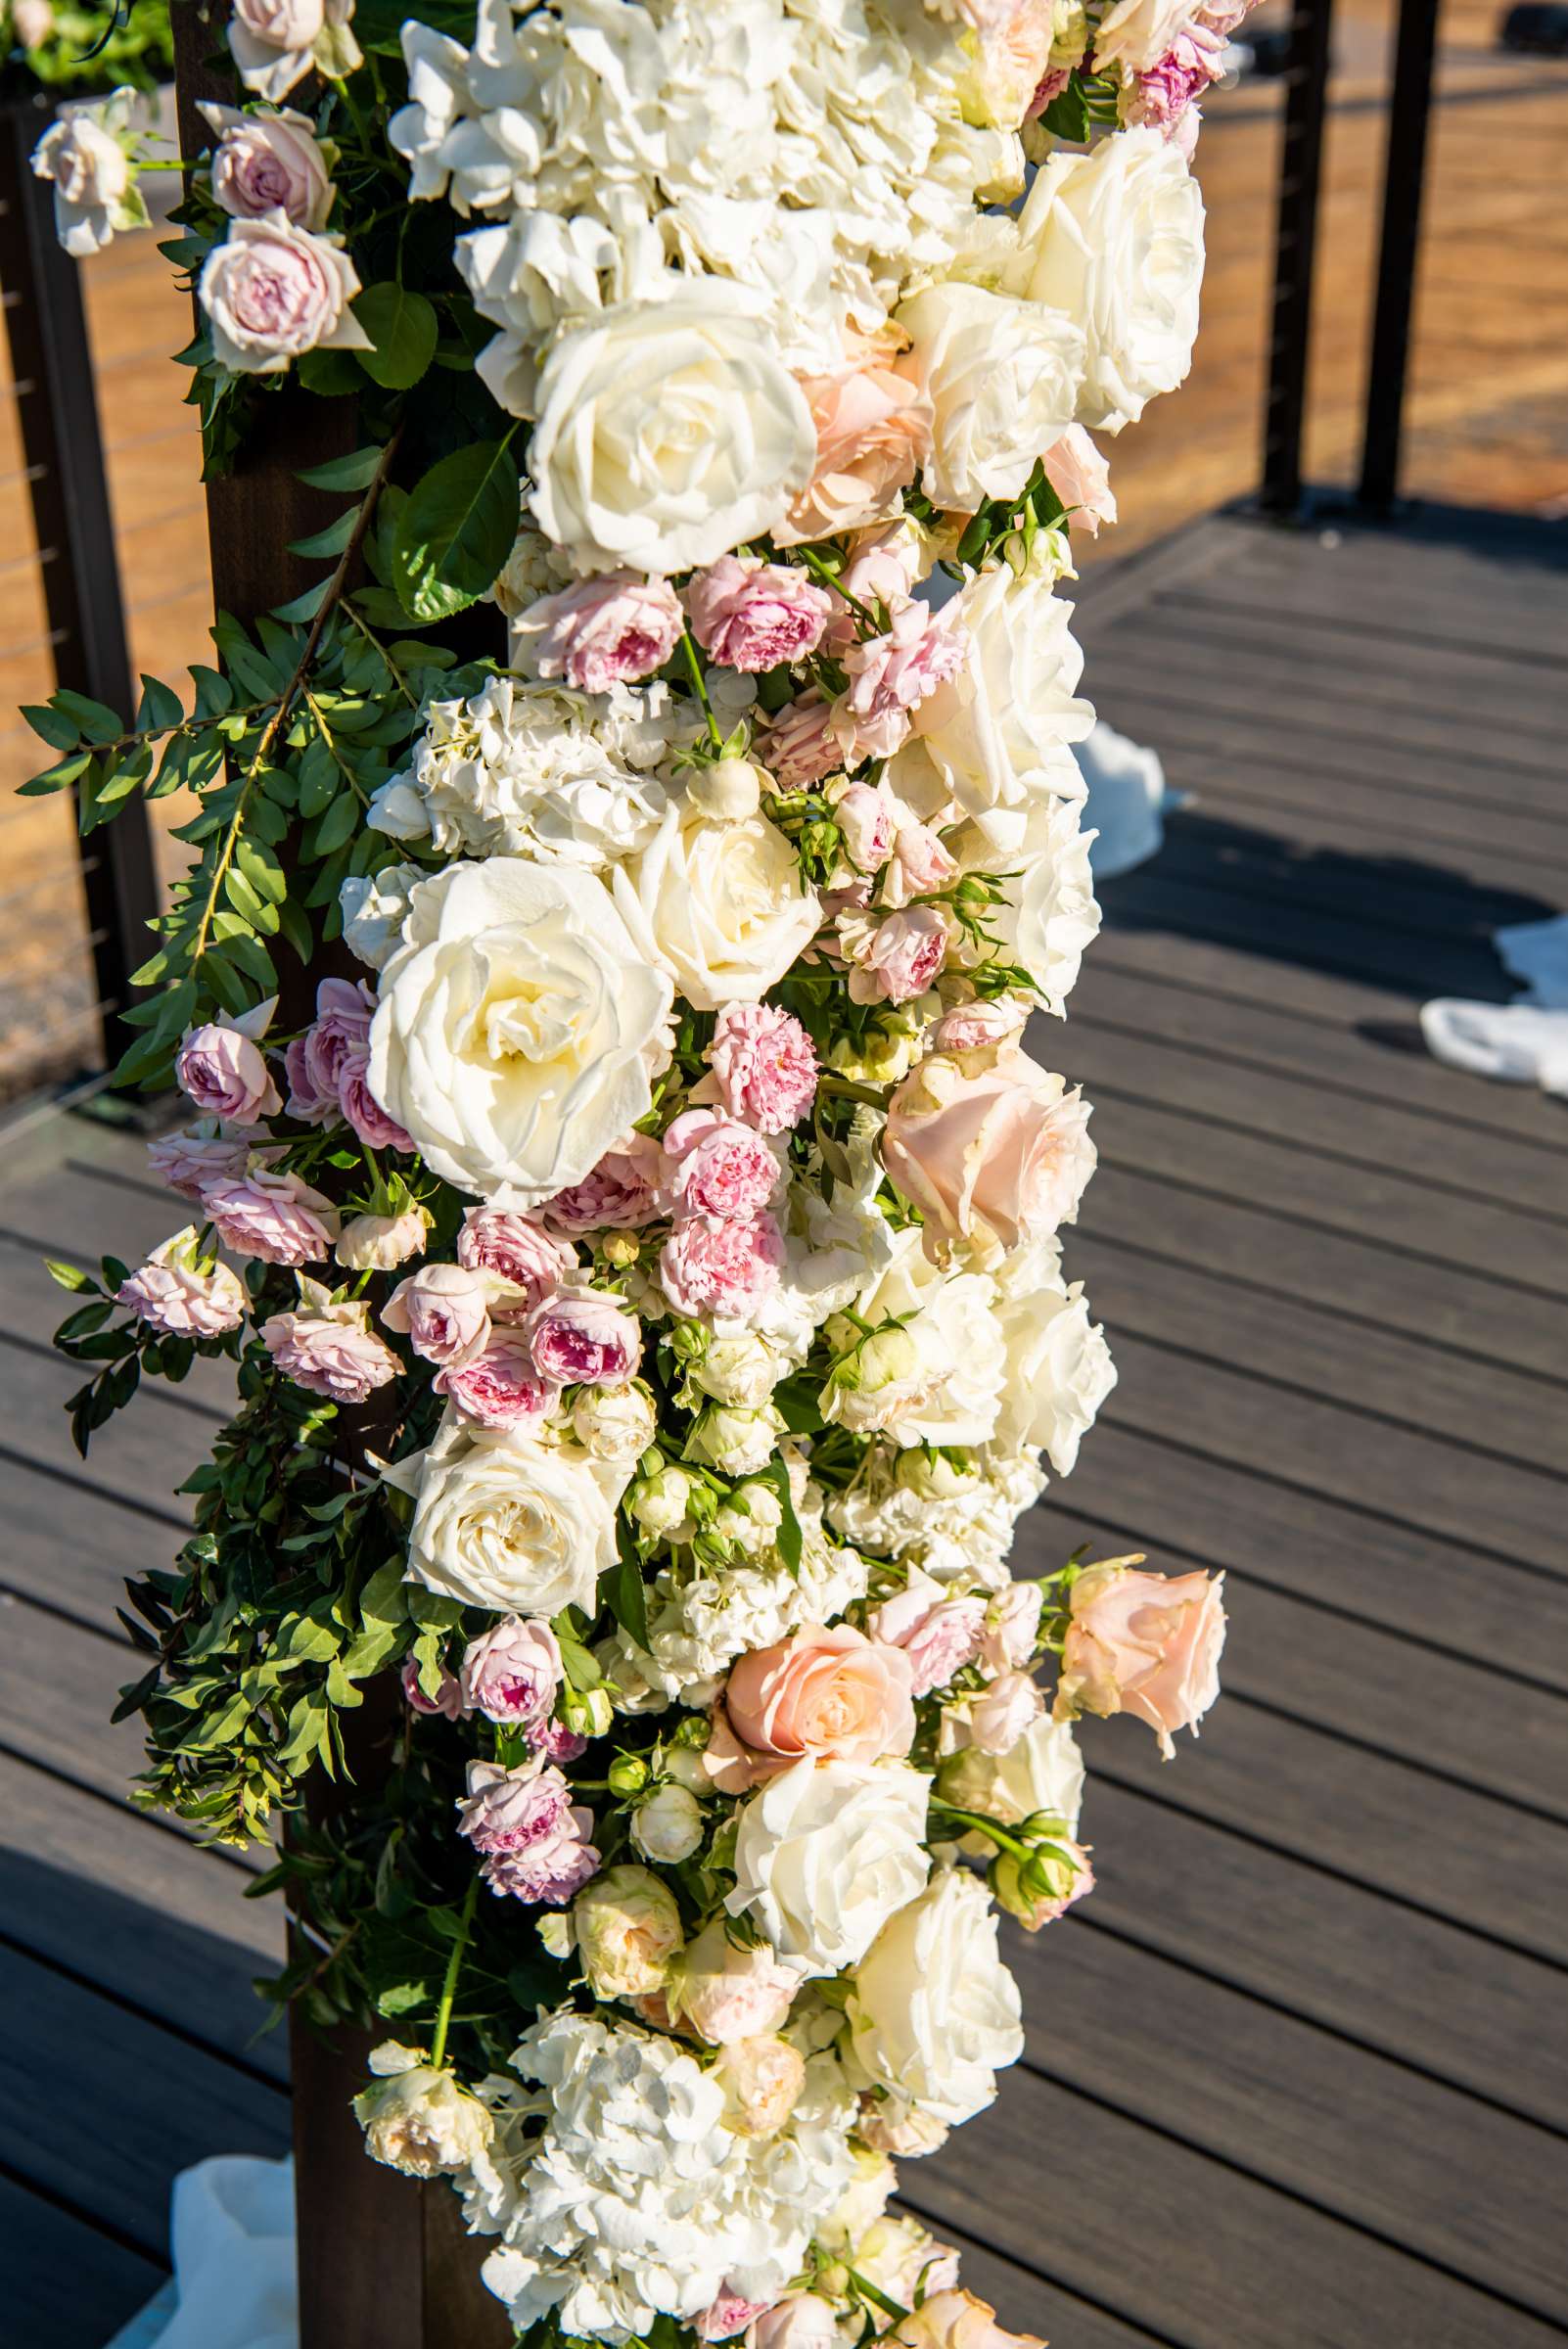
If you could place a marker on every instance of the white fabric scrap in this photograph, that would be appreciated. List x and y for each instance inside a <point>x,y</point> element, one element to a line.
<point>1523,1043</point>
<point>234,2283</point>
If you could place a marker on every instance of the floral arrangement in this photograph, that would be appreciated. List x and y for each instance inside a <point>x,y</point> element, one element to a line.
<point>619,890</point>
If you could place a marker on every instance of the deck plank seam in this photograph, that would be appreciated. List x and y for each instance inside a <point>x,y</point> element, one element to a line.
<point>122,2003</point>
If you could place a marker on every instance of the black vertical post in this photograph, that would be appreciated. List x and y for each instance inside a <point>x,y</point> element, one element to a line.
<point>51,365</point>
<point>1404,170</point>
<point>1295,242</point>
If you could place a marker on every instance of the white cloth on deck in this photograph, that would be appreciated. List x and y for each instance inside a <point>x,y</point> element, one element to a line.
<point>1523,1043</point>
<point>233,2285</point>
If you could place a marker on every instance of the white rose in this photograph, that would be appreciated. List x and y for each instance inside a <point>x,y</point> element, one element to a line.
<point>508,1522</point>
<point>417,2119</point>
<point>85,154</point>
<point>615,1423</point>
<point>825,1855</point>
<point>1059,1372</point>
<point>375,909</point>
<point>275,43</point>
<point>737,1440</point>
<point>935,1378</point>
<point>719,905</point>
<point>1138,33</point>
<point>519,1030</point>
<point>1050,913</point>
<point>740,1368</point>
<point>1115,238</point>
<point>1043,1772</point>
<point>996,734</point>
<point>1002,376</point>
<point>272,290</point>
<point>933,2013</point>
<point>668,432</point>
<point>668,1827</point>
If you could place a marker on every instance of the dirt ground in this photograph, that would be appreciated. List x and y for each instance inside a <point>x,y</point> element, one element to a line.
<point>1487,420</point>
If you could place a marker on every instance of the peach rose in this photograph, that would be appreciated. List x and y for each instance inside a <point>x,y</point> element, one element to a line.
<point>873,429</point>
<point>957,2320</point>
<point>990,1147</point>
<point>1143,1643</point>
<point>728,1993</point>
<point>1081,480</point>
<point>821,1695</point>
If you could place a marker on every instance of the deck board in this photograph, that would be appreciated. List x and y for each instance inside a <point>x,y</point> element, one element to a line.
<point>1292,2078</point>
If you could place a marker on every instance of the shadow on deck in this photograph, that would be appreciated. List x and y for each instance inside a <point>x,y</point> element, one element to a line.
<point>1292,2076</point>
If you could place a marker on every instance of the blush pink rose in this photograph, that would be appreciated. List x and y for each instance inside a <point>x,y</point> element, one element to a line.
<point>611,630</point>
<point>533,1838</point>
<point>181,1293</point>
<point>517,1249</point>
<point>622,1193</point>
<point>331,1350</point>
<point>498,1385</point>
<point>305,1101</point>
<point>750,615</point>
<point>225,1075</point>
<point>364,1113</point>
<point>1081,480</point>
<point>268,162</point>
<point>722,2319</point>
<point>582,1338</point>
<point>1160,96</point>
<point>512,1673</point>
<point>957,2320</point>
<point>1003,1710</point>
<point>447,1700</point>
<point>764,1066</point>
<point>798,746</point>
<point>822,1695</point>
<point>725,1270</point>
<point>873,431</point>
<point>896,959</point>
<point>802,2321</point>
<point>728,1993</point>
<point>919,863</point>
<point>939,1636</point>
<point>340,1031</point>
<point>1012,1626</point>
<point>988,1146</point>
<point>718,1167</point>
<point>867,817</point>
<point>883,567</point>
<point>1143,1643</point>
<point>443,1311</point>
<point>274,1216</point>
<point>890,677</point>
<point>188,1160</point>
<point>979,1027</point>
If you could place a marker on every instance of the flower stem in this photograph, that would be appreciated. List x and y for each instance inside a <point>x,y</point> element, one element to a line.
<point>700,682</point>
<point>846,1090</point>
<point>455,1967</point>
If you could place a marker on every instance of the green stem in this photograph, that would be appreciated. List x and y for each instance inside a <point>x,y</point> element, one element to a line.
<point>455,1967</point>
<point>700,684</point>
<point>821,571</point>
<point>844,1089</point>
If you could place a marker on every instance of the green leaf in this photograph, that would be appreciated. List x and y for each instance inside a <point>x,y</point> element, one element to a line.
<point>457,530</point>
<point>304,607</point>
<point>94,718</point>
<point>329,541</point>
<point>356,472</point>
<point>68,1275</point>
<point>213,692</point>
<point>622,1589</point>
<point>401,325</point>
<point>338,824</point>
<point>328,374</point>
<point>62,733</point>
<point>1068,115</point>
<point>161,705</point>
<point>790,1543</point>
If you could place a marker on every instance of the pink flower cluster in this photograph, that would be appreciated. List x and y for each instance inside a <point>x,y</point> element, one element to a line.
<point>511,1675</point>
<point>890,677</point>
<point>613,629</point>
<point>267,1213</point>
<point>753,616</point>
<point>327,1067</point>
<point>533,1837</point>
<point>725,1256</point>
<point>330,1349</point>
<point>764,1067</point>
<point>620,1194</point>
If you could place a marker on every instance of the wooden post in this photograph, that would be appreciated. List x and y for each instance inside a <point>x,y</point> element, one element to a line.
<point>383,2260</point>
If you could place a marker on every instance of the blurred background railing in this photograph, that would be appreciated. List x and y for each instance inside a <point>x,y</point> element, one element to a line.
<point>1386,311</point>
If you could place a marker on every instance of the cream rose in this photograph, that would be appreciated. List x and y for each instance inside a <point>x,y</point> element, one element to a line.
<point>271,291</point>
<point>1043,1772</point>
<point>1003,377</point>
<point>417,2119</point>
<point>1138,33</point>
<point>86,155</point>
<point>933,2013</point>
<point>1050,913</point>
<point>991,1148</point>
<point>1115,238</point>
<point>823,1693</point>
<point>519,1033</point>
<point>1059,1371</point>
<point>504,1522</point>
<point>719,905</point>
<point>996,734</point>
<point>956,2320</point>
<point>667,433</point>
<point>727,1993</point>
<point>934,1378</point>
<point>627,1931</point>
<point>824,1856</point>
<point>1143,1643</point>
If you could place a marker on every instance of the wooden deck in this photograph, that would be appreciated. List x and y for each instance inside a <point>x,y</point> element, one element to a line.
<point>1296,2075</point>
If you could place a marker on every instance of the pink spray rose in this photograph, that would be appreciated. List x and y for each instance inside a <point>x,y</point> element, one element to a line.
<point>718,1167</point>
<point>722,2319</point>
<point>307,1100</point>
<point>582,1338</point>
<point>799,747</point>
<point>939,1636</point>
<point>979,1027</point>
<point>341,1030</point>
<point>750,615</point>
<point>1143,1643</point>
<point>919,863</point>
<point>443,1311</point>
<point>1003,1710</point>
<point>988,1146</point>
<point>447,1700</point>
<point>721,1270</point>
<point>890,677</point>
<point>225,1074</point>
<point>873,429</point>
<point>1072,1880</point>
<point>1161,95</point>
<point>498,1386</point>
<point>513,1246</point>
<point>512,1673</point>
<point>867,816</point>
<point>196,1156</point>
<point>271,1214</point>
<point>611,630</point>
<point>268,161</point>
<point>824,1695</point>
<point>330,1349</point>
<point>728,1993</point>
<point>622,1191</point>
<point>533,1838</point>
<point>380,1243</point>
<point>764,1067</point>
<point>896,959</point>
<point>182,1295</point>
<point>364,1113</point>
<point>1012,1626</point>
<point>1081,480</point>
<point>883,567</point>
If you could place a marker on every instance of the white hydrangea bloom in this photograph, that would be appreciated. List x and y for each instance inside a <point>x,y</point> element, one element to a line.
<point>700,1621</point>
<point>959,1536</point>
<point>934,1372</point>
